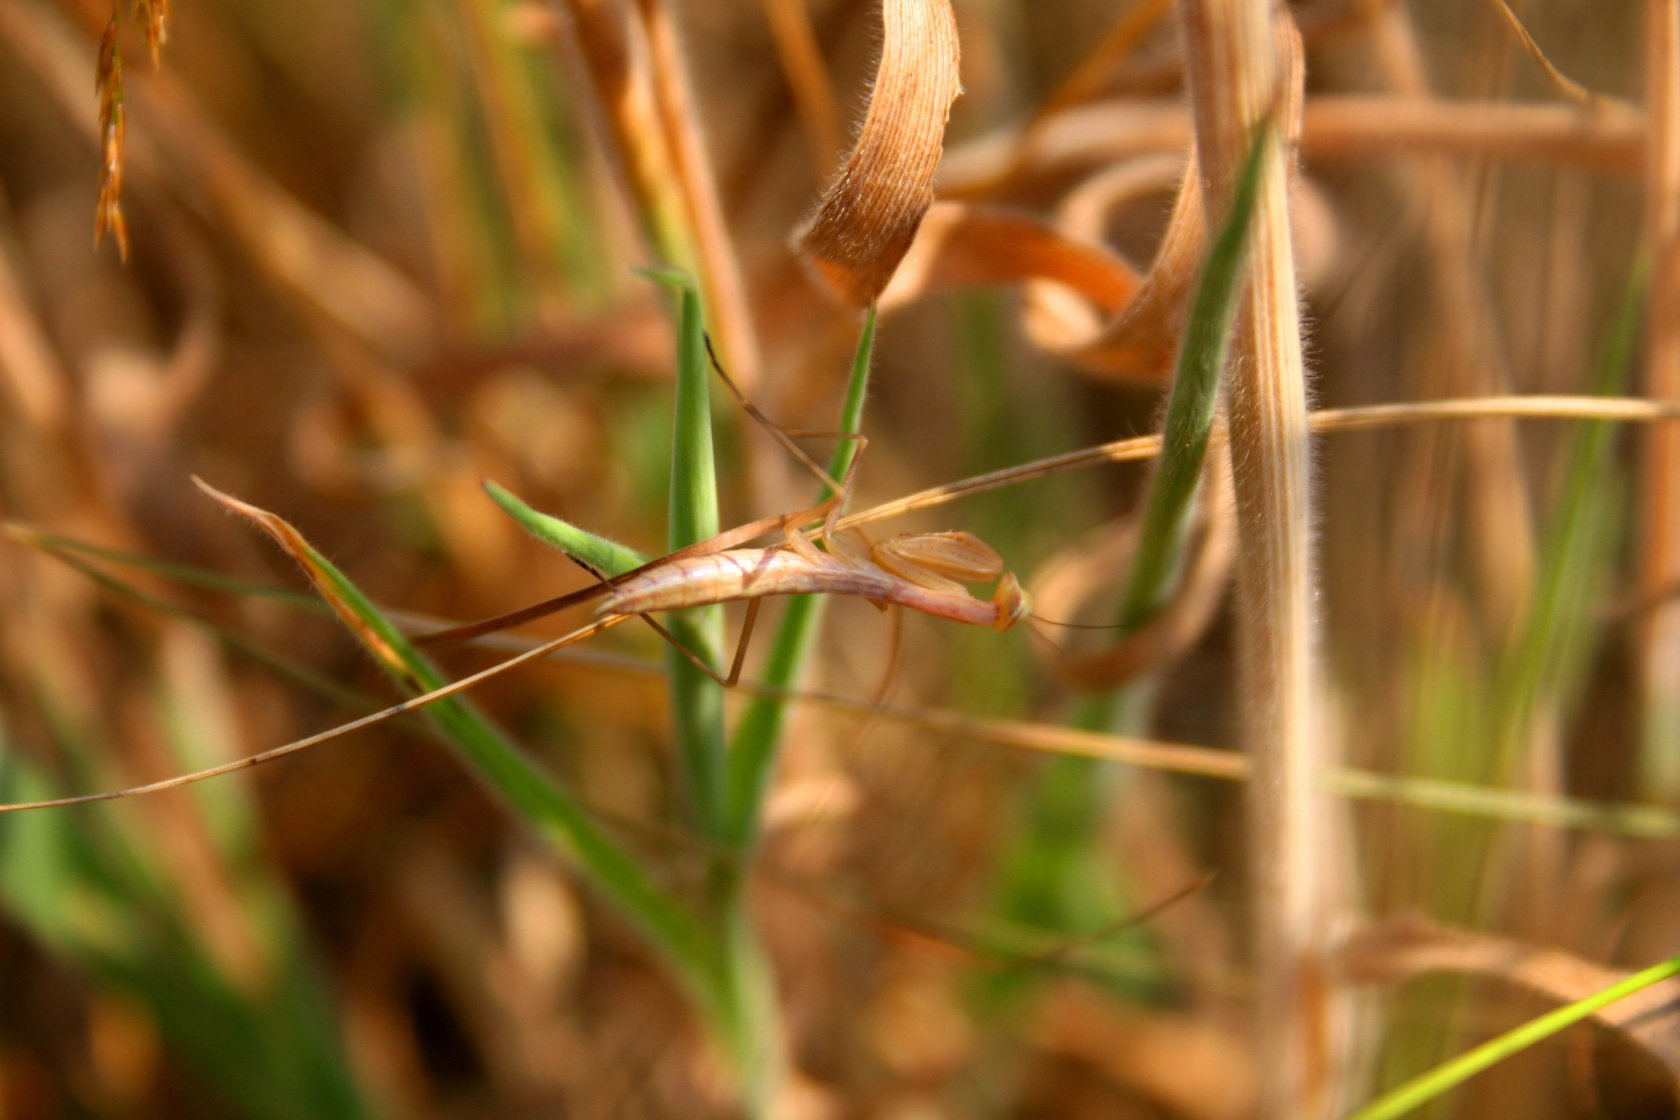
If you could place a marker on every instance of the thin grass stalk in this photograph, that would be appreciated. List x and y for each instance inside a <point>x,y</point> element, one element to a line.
<point>1484,459</point>
<point>718,267</point>
<point>1237,80</point>
<point>1659,561</point>
<point>808,80</point>
<point>612,57</point>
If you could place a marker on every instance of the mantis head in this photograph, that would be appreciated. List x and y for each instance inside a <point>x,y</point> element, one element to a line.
<point>1012,602</point>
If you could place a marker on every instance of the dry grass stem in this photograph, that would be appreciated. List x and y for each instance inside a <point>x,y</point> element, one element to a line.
<point>808,79</point>
<point>868,217</point>
<point>614,58</point>
<point>1244,69</point>
<point>1465,356</point>
<point>1138,448</point>
<point>720,270</point>
<point>1566,85</point>
<point>1659,563</point>
<point>1334,127</point>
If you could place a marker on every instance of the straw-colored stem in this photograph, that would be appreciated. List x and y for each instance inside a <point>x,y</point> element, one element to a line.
<point>510,129</point>
<point>610,55</point>
<point>720,271</point>
<point>1660,560</point>
<point>1466,358</point>
<point>1237,80</point>
<point>808,81</point>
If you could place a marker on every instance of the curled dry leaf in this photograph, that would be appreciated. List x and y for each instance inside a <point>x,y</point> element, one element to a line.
<point>1070,580</point>
<point>970,243</point>
<point>869,216</point>
<point>1086,304</point>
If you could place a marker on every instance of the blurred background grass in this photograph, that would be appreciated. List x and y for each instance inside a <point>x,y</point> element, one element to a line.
<point>377,254</point>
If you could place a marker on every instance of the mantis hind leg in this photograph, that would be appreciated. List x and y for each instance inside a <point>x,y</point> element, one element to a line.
<point>700,662</point>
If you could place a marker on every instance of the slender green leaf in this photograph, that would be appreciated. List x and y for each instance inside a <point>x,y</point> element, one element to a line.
<point>697,699</point>
<point>601,553</point>
<point>507,772</point>
<point>1191,406</point>
<point>1053,871</point>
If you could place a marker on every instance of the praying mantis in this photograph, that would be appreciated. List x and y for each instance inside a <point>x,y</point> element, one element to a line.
<point>927,572</point>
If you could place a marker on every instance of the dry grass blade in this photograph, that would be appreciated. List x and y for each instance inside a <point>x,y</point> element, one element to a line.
<point>869,216</point>
<point>1244,64</point>
<point>1333,127</point>
<point>679,118</point>
<point>292,542</point>
<point>1085,302</point>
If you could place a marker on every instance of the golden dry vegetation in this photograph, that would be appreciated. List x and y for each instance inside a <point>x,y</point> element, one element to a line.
<point>1379,764</point>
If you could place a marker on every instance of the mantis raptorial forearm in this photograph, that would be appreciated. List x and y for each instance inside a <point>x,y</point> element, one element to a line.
<point>754,573</point>
<point>923,571</point>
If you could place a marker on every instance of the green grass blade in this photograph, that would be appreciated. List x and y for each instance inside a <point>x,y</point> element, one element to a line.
<point>513,777</point>
<point>1577,539</point>
<point>187,575</point>
<point>746,1015</point>
<point>752,758</point>
<point>602,554</point>
<point>1051,873</point>
<point>1191,406</point>
<point>697,699</point>
<point>1427,1087</point>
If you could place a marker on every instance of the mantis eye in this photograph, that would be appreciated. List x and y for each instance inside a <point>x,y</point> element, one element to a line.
<point>1012,602</point>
